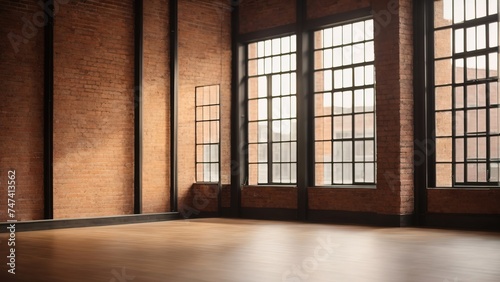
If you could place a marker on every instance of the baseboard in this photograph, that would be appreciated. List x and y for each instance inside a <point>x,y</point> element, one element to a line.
<point>463,221</point>
<point>361,218</point>
<point>35,225</point>
<point>200,214</point>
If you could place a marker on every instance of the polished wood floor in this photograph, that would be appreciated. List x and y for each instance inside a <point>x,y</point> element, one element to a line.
<point>249,250</point>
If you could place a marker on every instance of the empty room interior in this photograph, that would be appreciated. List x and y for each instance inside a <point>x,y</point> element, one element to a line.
<point>249,140</point>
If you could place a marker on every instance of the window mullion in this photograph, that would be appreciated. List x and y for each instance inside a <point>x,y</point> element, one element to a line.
<point>270,130</point>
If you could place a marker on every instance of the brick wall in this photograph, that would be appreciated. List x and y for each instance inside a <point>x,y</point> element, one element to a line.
<point>200,200</point>
<point>463,201</point>
<point>21,113</point>
<point>323,8</point>
<point>269,197</point>
<point>258,15</point>
<point>357,200</point>
<point>156,108</point>
<point>204,59</point>
<point>394,88</point>
<point>93,109</point>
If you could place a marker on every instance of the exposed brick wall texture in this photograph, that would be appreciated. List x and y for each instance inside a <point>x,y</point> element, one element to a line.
<point>464,201</point>
<point>93,109</point>
<point>204,59</point>
<point>323,8</point>
<point>269,197</point>
<point>21,116</point>
<point>201,198</point>
<point>258,15</point>
<point>156,108</point>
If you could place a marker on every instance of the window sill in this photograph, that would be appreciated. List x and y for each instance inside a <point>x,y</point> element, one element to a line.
<point>466,188</point>
<point>370,187</point>
<point>269,186</point>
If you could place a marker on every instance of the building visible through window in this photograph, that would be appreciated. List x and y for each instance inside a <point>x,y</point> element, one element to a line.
<point>344,104</point>
<point>272,134</point>
<point>466,99</point>
<point>207,133</point>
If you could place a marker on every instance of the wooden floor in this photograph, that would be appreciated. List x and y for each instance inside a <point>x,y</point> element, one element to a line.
<point>249,250</point>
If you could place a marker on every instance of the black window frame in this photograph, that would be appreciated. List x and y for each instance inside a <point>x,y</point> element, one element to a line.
<point>352,139</point>
<point>200,108</point>
<point>465,83</point>
<point>270,143</point>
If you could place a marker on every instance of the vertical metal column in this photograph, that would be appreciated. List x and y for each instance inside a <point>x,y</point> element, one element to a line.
<point>48,160</point>
<point>138,64</point>
<point>305,167</point>
<point>238,135</point>
<point>174,88</point>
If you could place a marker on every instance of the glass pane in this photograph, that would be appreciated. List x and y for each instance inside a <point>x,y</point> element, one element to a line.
<point>214,173</point>
<point>214,153</point>
<point>285,152</point>
<point>276,153</point>
<point>359,172</point>
<point>347,173</point>
<point>370,173</point>
<point>293,149</point>
<point>369,100</point>
<point>443,11</point>
<point>323,104</point>
<point>443,175</point>
<point>328,58</point>
<point>443,124</point>
<point>359,151</point>
<point>359,101</point>
<point>444,74</point>
<point>458,11</point>
<point>443,98</point>
<point>370,151</point>
<point>285,130</point>
<point>277,173</point>
<point>323,129</point>
<point>369,52</point>
<point>285,173</point>
<point>262,153</point>
<point>442,44</point>
<point>471,173</point>
<point>253,153</point>
<point>459,150</point>
<point>337,151</point>
<point>347,127</point>
<point>262,174</point>
<point>359,126</point>
<point>460,173</point>
<point>253,174</point>
<point>293,171</point>
<point>444,149</point>
<point>347,151</point>
<point>337,174</point>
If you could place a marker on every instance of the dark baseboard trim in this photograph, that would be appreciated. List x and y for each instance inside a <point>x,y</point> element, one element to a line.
<point>269,213</point>
<point>87,222</point>
<point>463,221</point>
<point>225,212</point>
<point>361,218</point>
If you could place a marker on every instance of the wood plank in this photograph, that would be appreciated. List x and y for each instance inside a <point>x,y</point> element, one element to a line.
<point>252,250</point>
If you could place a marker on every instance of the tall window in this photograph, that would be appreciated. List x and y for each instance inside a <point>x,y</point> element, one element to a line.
<point>207,133</point>
<point>466,98</point>
<point>272,113</point>
<point>344,110</point>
